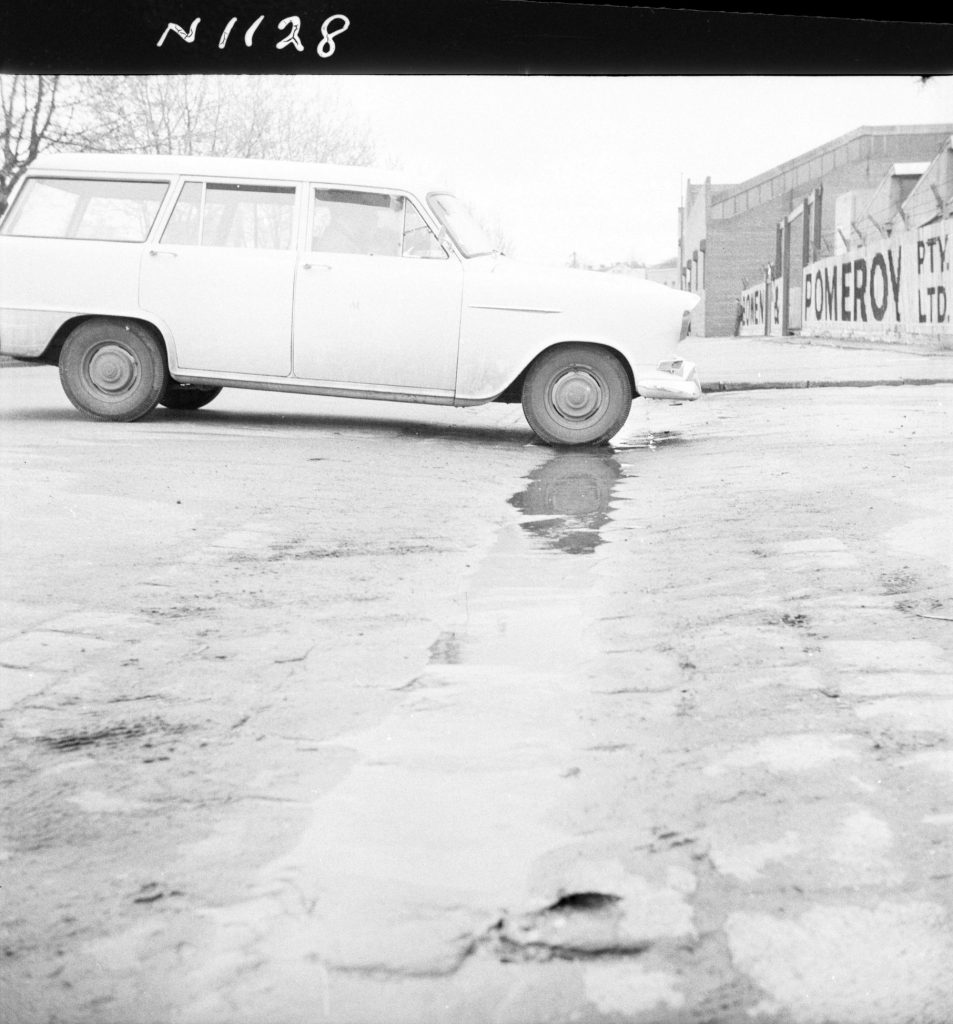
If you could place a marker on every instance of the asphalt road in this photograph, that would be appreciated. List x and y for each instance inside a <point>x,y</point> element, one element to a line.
<point>318,710</point>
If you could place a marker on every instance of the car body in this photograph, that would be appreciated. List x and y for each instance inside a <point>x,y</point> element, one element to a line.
<point>313,278</point>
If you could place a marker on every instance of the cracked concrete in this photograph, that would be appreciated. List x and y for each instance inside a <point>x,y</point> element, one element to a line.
<point>398,717</point>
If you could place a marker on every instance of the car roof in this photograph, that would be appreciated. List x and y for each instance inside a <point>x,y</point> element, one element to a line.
<point>232,167</point>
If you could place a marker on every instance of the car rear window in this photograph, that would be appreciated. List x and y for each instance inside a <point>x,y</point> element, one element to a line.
<point>118,211</point>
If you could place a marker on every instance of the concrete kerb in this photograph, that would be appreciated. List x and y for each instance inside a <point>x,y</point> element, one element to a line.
<point>714,387</point>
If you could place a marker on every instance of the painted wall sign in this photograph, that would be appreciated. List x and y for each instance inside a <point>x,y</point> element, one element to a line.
<point>774,325</point>
<point>897,288</point>
<point>753,304</point>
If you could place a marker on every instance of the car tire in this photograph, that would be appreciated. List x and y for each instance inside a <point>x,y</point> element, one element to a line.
<point>577,394</point>
<point>179,397</point>
<point>113,369</point>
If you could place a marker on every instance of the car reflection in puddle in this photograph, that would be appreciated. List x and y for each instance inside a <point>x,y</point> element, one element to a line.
<point>569,499</point>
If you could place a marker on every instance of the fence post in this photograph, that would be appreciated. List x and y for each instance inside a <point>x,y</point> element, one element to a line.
<point>785,273</point>
<point>818,201</point>
<point>805,232</point>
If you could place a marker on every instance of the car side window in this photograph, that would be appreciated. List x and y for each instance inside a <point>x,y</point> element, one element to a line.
<point>370,224</point>
<point>232,216</point>
<point>361,223</point>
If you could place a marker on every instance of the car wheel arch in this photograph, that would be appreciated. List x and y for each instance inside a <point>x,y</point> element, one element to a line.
<point>52,352</point>
<point>513,391</point>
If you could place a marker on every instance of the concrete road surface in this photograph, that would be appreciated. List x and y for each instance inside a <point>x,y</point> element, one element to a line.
<point>318,710</point>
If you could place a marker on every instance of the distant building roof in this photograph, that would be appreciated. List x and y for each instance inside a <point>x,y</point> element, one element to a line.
<point>808,166</point>
<point>842,140</point>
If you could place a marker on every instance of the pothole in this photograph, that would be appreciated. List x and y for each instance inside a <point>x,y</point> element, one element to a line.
<point>577,926</point>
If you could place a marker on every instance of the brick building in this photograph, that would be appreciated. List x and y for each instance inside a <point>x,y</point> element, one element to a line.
<point>728,234</point>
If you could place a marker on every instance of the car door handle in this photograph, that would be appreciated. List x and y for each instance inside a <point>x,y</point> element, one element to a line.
<point>162,252</point>
<point>316,266</point>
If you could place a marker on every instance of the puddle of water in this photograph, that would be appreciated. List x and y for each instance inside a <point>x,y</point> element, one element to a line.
<point>569,498</point>
<point>653,439</point>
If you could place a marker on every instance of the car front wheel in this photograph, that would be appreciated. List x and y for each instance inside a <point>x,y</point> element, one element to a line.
<point>113,369</point>
<point>576,394</point>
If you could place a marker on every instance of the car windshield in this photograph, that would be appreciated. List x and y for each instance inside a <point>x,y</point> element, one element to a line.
<point>470,238</point>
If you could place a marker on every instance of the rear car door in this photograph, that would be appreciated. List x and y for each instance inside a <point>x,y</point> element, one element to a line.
<point>221,277</point>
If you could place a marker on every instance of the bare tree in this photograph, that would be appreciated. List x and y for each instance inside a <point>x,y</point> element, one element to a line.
<point>292,118</point>
<point>35,117</point>
<point>154,114</point>
<point>282,118</point>
<point>310,121</point>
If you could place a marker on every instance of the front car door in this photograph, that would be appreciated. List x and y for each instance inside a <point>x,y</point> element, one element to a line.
<point>222,277</point>
<point>377,298</point>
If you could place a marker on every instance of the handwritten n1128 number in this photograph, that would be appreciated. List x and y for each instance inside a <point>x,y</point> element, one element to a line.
<point>331,28</point>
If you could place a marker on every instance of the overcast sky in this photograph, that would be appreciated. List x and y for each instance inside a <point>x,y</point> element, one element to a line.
<point>598,165</point>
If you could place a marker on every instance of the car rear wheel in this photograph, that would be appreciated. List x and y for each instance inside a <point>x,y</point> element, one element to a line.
<point>179,396</point>
<point>576,394</point>
<point>113,369</point>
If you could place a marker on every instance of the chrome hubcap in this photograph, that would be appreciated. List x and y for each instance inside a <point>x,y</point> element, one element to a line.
<point>112,369</point>
<point>577,394</point>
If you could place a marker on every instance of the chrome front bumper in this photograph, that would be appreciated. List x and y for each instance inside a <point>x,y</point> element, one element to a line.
<point>674,379</point>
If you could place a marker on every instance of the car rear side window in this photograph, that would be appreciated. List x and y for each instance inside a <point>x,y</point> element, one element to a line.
<point>233,216</point>
<point>116,211</point>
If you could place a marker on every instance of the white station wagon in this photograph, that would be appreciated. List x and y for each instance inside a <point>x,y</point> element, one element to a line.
<point>160,280</point>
